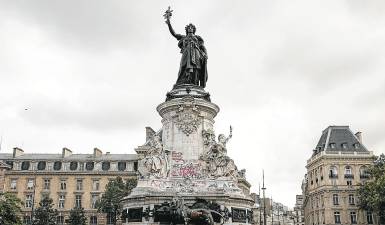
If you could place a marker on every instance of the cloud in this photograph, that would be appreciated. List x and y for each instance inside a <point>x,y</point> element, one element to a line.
<point>92,72</point>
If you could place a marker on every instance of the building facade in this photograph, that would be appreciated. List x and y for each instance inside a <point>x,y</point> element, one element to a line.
<point>334,172</point>
<point>70,180</point>
<point>298,214</point>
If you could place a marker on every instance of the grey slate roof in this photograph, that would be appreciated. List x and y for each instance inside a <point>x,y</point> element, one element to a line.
<point>334,138</point>
<point>73,157</point>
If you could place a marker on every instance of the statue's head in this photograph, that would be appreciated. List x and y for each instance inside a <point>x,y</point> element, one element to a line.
<point>190,28</point>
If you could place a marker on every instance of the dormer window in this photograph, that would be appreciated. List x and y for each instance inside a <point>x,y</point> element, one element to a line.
<point>57,165</point>
<point>73,165</point>
<point>344,145</point>
<point>332,145</point>
<point>105,166</point>
<point>90,165</point>
<point>356,145</point>
<point>25,165</point>
<point>41,165</point>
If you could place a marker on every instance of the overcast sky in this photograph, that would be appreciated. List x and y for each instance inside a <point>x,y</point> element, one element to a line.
<point>91,74</point>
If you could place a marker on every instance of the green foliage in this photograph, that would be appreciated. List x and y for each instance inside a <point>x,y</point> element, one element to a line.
<point>45,214</point>
<point>10,208</point>
<point>111,200</point>
<point>372,193</point>
<point>77,217</point>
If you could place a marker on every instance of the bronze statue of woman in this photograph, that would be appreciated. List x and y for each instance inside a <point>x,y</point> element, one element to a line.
<point>193,64</point>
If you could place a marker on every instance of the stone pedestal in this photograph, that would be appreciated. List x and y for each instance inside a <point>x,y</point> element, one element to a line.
<point>183,160</point>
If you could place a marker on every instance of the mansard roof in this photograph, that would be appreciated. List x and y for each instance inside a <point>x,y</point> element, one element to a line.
<point>73,157</point>
<point>339,138</point>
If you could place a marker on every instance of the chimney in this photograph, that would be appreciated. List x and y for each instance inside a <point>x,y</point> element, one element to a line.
<point>359,136</point>
<point>17,152</point>
<point>66,152</point>
<point>149,133</point>
<point>97,152</point>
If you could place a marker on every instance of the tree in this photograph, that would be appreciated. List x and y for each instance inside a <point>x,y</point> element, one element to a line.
<point>45,214</point>
<point>10,208</point>
<point>372,193</point>
<point>77,217</point>
<point>111,200</point>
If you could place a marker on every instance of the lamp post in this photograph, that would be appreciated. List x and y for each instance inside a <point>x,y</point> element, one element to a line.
<point>260,204</point>
<point>264,197</point>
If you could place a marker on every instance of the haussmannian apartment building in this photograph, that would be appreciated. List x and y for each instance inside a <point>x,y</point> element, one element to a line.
<point>71,180</point>
<point>299,218</point>
<point>334,172</point>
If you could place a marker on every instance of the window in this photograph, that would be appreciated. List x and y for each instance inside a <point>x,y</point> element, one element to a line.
<point>364,172</point>
<point>105,166</point>
<point>110,218</point>
<point>25,165</point>
<point>28,201</point>
<point>47,183</point>
<point>356,145</point>
<point>57,165</point>
<point>90,165</point>
<point>41,165</point>
<point>78,201</point>
<point>122,166</point>
<point>60,220</point>
<point>369,217</point>
<point>353,217</point>
<point>95,185</point>
<point>335,199</point>
<point>13,184</point>
<point>333,172</point>
<point>351,199</point>
<point>349,183</point>
<point>79,185</point>
<point>94,199</point>
<point>93,220</point>
<point>30,184</point>
<point>135,166</point>
<point>337,218</point>
<point>27,220</point>
<point>332,145</point>
<point>63,185</point>
<point>62,199</point>
<point>9,163</point>
<point>348,170</point>
<point>344,145</point>
<point>73,165</point>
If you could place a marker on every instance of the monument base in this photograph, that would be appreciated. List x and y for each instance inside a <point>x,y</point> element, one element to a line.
<point>185,174</point>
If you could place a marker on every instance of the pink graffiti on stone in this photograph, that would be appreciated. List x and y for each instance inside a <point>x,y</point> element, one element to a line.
<point>186,170</point>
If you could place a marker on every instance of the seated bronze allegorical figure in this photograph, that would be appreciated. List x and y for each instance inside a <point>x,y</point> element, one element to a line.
<point>193,64</point>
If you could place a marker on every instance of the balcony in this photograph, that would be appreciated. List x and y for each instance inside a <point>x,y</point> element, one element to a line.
<point>349,176</point>
<point>333,176</point>
<point>364,176</point>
